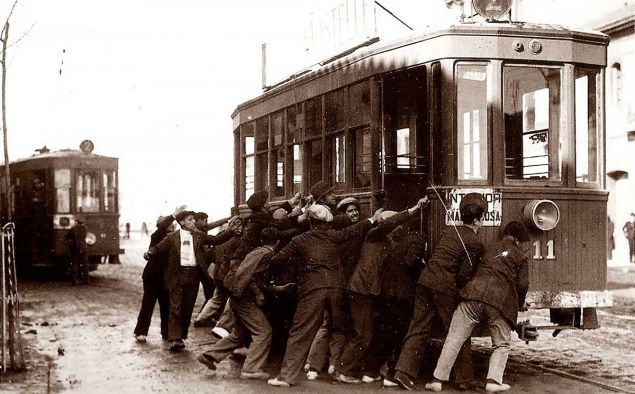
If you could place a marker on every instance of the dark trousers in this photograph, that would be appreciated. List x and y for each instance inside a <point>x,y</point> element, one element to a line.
<point>431,305</point>
<point>631,249</point>
<point>364,309</point>
<point>182,299</point>
<point>250,320</point>
<point>308,318</point>
<point>394,317</point>
<point>208,286</point>
<point>153,291</point>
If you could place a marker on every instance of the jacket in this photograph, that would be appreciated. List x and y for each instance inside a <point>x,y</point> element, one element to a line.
<point>170,247</point>
<point>403,266</point>
<point>369,272</point>
<point>321,267</point>
<point>501,279</point>
<point>155,267</point>
<point>449,268</point>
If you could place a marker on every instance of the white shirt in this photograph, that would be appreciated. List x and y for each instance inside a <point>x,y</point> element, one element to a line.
<point>187,249</point>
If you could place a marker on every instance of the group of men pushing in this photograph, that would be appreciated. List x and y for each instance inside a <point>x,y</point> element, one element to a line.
<point>366,300</point>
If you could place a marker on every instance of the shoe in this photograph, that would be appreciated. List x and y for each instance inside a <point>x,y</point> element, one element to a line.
<point>331,369</point>
<point>176,345</point>
<point>387,383</point>
<point>348,379</point>
<point>277,382</point>
<point>208,361</point>
<point>241,351</point>
<point>404,381</point>
<point>468,386</point>
<point>220,332</point>
<point>312,374</point>
<point>491,387</point>
<point>306,367</point>
<point>370,379</point>
<point>141,338</point>
<point>435,385</point>
<point>254,375</point>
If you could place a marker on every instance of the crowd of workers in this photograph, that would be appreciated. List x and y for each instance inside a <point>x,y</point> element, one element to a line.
<point>365,300</point>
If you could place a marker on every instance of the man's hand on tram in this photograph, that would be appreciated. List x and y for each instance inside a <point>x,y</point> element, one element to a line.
<point>178,210</point>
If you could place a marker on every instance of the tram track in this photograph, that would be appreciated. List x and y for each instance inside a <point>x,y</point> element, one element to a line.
<point>568,375</point>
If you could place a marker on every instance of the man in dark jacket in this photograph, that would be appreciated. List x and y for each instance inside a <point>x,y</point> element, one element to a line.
<point>437,295</point>
<point>494,295</point>
<point>184,253</point>
<point>320,287</point>
<point>153,286</point>
<point>364,290</point>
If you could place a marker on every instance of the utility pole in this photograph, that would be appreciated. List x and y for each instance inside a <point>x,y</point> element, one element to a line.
<point>7,175</point>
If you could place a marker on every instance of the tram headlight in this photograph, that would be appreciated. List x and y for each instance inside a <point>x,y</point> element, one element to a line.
<point>90,238</point>
<point>541,214</point>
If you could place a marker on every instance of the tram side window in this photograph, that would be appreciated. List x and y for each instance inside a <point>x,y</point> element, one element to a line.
<point>315,161</point>
<point>262,146</point>
<point>62,181</point>
<point>586,128</point>
<point>278,155</point>
<point>110,190</point>
<point>338,160</point>
<point>297,168</point>
<point>87,191</point>
<point>248,149</point>
<point>471,107</point>
<point>362,158</point>
<point>531,103</point>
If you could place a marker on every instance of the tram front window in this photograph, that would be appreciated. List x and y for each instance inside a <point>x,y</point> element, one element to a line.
<point>471,107</point>
<point>62,181</point>
<point>110,190</point>
<point>586,127</point>
<point>531,103</point>
<point>87,191</point>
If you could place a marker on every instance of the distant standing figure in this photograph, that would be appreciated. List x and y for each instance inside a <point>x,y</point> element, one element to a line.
<point>610,229</point>
<point>127,233</point>
<point>629,233</point>
<point>144,229</point>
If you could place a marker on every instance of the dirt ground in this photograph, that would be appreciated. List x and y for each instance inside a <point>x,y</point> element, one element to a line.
<point>79,339</point>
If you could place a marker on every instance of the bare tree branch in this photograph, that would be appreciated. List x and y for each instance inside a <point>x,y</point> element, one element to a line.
<point>4,25</point>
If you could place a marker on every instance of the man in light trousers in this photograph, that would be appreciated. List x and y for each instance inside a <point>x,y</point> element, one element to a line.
<point>494,295</point>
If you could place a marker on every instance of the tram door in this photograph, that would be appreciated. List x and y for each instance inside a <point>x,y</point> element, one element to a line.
<point>405,142</point>
<point>40,221</point>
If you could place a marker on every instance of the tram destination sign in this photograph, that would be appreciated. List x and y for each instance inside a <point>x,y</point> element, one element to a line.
<point>493,214</point>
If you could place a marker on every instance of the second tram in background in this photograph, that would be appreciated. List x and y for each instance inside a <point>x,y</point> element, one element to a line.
<point>514,111</point>
<point>53,192</point>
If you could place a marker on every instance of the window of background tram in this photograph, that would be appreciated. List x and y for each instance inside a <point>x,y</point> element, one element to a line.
<point>295,124</point>
<point>110,190</point>
<point>315,160</point>
<point>248,150</point>
<point>62,182</point>
<point>87,187</point>
<point>531,104</point>
<point>338,160</point>
<point>359,115</point>
<point>261,179</point>
<point>471,117</point>
<point>586,128</point>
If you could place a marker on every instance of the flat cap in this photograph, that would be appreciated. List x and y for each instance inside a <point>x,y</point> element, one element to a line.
<point>319,212</point>
<point>257,200</point>
<point>346,202</point>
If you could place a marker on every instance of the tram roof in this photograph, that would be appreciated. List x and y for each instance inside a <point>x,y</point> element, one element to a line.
<point>536,30</point>
<point>62,154</point>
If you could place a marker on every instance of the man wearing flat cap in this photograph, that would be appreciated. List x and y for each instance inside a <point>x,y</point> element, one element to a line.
<point>320,286</point>
<point>185,264</point>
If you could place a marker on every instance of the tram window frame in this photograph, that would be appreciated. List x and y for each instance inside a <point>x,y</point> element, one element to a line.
<point>459,143</point>
<point>109,193</point>
<point>79,192</point>
<point>595,148</point>
<point>294,141</point>
<point>366,162</point>
<point>554,143</point>
<point>278,165</point>
<point>262,163</point>
<point>248,154</point>
<point>338,175</point>
<point>62,185</point>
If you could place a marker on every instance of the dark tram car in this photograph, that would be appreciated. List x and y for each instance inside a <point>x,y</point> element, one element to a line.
<point>57,196</point>
<point>514,111</point>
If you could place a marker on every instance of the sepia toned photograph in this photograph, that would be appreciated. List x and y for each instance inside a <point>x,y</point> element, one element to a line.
<point>335,196</point>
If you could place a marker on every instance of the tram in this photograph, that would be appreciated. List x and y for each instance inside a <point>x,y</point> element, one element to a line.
<point>514,111</point>
<point>54,194</point>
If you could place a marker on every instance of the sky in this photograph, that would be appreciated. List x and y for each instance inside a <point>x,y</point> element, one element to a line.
<point>154,83</point>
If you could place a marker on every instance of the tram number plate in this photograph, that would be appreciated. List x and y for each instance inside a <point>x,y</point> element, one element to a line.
<point>537,245</point>
<point>493,214</point>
